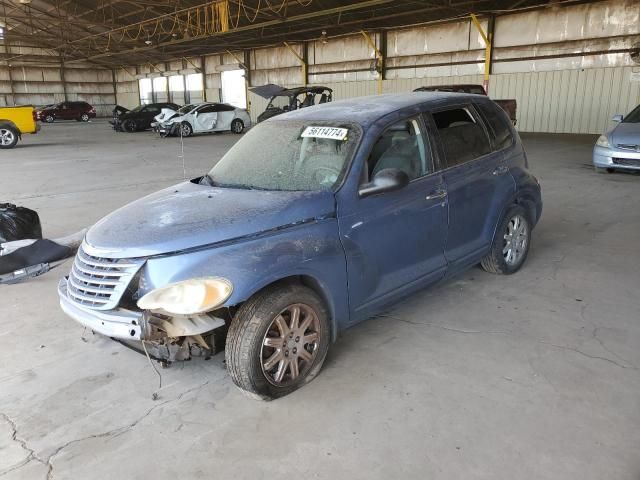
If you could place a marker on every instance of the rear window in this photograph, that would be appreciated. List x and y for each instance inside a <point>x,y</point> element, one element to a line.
<point>461,135</point>
<point>499,124</point>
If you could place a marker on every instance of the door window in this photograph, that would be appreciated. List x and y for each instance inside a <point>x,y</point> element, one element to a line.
<point>402,146</point>
<point>462,136</point>
<point>499,123</point>
<point>208,109</point>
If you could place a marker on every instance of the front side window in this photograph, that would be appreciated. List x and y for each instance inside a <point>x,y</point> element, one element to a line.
<point>499,123</point>
<point>288,155</point>
<point>461,135</point>
<point>402,146</point>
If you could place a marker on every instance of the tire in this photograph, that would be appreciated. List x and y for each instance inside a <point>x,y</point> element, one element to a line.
<point>237,126</point>
<point>8,137</point>
<point>49,119</point>
<point>603,170</point>
<point>129,126</point>
<point>502,259</point>
<point>185,129</point>
<point>254,365</point>
<point>84,117</point>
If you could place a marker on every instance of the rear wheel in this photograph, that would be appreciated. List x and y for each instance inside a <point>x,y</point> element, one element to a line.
<point>511,243</point>
<point>84,117</point>
<point>237,126</point>
<point>49,118</point>
<point>8,137</point>
<point>278,341</point>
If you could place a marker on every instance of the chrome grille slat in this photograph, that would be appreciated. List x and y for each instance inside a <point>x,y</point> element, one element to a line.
<point>86,298</point>
<point>99,283</point>
<point>628,146</point>
<point>93,271</point>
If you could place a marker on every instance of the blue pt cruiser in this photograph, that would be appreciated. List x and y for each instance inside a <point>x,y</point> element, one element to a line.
<point>314,221</point>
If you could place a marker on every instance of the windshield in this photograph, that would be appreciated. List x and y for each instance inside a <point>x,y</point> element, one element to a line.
<point>288,155</point>
<point>633,117</point>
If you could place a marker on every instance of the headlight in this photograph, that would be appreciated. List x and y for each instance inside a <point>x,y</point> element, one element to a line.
<point>603,141</point>
<point>188,297</point>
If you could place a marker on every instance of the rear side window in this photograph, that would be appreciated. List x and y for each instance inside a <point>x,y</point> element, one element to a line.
<point>499,124</point>
<point>461,135</point>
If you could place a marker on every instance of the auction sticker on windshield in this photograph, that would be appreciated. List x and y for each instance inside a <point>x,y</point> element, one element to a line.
<point>325,132</point>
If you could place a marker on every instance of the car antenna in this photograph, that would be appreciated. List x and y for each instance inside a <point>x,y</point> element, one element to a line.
<point>181,155</point>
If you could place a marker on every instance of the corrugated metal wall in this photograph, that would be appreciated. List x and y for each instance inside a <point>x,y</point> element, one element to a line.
<point>568,66</point>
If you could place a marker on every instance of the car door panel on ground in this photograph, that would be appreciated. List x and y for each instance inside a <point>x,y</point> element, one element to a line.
<point>408,225</point>
<point>477,180</point>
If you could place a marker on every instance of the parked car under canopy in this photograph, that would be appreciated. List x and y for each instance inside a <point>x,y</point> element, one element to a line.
<point>282,100</point>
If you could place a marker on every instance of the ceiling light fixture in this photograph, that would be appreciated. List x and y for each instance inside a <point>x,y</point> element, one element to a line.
<point>323,37</point>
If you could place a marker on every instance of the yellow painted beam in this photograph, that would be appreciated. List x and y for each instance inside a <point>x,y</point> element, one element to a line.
<point>378,55</point>
<point>487,49</point>
<point>303,64</point>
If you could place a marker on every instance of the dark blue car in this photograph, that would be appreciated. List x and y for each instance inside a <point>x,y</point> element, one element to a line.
<point>313,222</point>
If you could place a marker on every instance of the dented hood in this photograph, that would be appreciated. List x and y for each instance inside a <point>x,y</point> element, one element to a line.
<point>189,215</point>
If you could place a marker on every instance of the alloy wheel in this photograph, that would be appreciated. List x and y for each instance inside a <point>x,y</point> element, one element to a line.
<point>7,137</point>
<point>515,240</point>
<point>290,345</point>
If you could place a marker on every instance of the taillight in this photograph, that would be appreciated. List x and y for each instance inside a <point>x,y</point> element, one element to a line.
<point>35,115</point>
<point>93,110</point>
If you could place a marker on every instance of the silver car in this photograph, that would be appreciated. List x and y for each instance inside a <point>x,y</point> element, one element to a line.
<point>619,148</point>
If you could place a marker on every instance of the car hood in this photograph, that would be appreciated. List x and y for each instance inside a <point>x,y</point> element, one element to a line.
<point>190,215</point>
<point>626,134</point>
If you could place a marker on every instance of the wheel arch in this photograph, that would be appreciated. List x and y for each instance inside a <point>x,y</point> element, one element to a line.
<point>11,124</point>
<point>309,281</point>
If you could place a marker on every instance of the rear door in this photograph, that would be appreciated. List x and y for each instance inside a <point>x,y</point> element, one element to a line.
<point>394,241</point>
<point>226,114</point>
<point>477,179</point>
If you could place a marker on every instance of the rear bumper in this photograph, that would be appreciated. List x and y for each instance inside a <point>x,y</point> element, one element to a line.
<point>116,323</point>
<point>615,158</point>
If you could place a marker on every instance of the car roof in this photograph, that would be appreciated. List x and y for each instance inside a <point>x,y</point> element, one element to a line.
<point>368,110</point>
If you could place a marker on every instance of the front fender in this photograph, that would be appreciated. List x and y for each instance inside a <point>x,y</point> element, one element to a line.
<point>312,250</point>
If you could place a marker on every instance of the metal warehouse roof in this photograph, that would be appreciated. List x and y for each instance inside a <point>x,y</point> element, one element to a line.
<point>124,32</point>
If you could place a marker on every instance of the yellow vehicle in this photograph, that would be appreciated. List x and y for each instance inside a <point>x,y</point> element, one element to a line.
<point>14,122</point>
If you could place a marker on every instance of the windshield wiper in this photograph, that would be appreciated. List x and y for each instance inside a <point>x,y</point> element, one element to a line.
<point>208,180</point>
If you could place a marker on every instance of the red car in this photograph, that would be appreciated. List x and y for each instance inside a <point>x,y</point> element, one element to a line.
<point>80,111</point>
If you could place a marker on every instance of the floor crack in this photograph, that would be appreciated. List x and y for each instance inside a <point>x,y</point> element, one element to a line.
<point>110,433</point>
<point>32,455</point>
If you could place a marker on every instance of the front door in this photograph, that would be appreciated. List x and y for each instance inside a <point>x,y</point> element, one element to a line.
<point>206,118</point>
<point>394,241</point>
<point>478,183</point>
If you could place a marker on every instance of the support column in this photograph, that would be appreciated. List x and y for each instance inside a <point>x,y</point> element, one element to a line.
<point>64,81</point>
<point>487,37</point>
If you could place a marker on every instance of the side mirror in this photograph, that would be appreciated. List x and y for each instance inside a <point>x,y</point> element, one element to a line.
<point>617,118</point>
<point>387,180</point>
<point>195,114</point>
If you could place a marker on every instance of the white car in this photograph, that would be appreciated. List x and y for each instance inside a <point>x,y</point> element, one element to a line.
<point>206,117</point>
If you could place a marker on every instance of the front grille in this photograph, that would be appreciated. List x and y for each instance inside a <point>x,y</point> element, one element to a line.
<point>625,146</point>
<point>628,162</point>
<point>99,283</point>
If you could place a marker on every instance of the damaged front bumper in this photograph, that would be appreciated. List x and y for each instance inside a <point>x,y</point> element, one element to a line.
<point>117,323</point>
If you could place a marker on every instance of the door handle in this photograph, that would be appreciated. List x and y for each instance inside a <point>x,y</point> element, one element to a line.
<point>439,193</point>
<point>502,169</point>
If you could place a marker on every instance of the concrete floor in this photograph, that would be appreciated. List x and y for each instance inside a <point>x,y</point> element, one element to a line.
<point>532,376</point>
